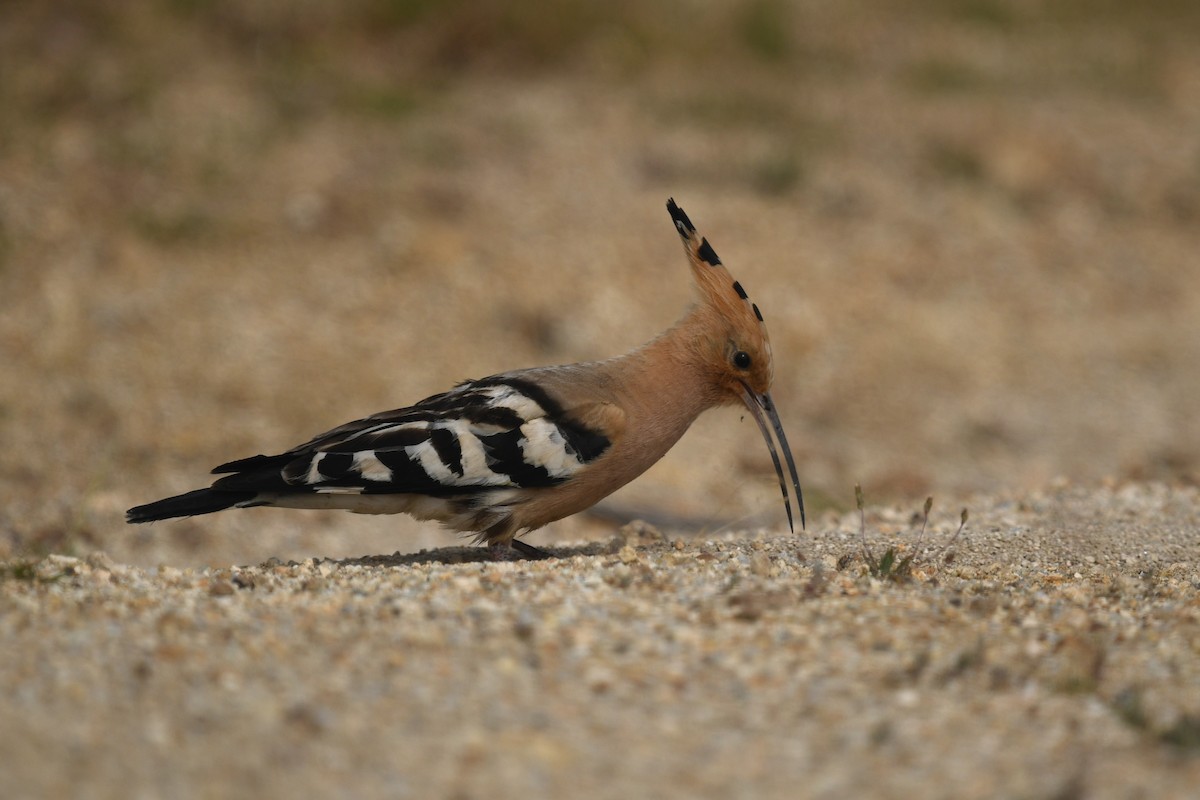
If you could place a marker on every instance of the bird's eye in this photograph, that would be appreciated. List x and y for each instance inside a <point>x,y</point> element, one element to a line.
<point>741,359</point>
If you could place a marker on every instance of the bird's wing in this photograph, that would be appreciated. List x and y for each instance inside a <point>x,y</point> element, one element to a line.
<point>499,432</point>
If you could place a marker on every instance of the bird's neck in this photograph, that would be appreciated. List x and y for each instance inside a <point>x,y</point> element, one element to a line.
<point>668,377</point>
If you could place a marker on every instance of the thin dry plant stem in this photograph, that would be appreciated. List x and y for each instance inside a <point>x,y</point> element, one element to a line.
<point>862,525</point>
<point>962,524</point>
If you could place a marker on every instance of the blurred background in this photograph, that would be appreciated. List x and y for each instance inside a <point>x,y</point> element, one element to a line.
<point>973,228</point>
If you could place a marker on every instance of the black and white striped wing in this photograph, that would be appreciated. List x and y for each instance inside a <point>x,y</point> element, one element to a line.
<point>496,433</point>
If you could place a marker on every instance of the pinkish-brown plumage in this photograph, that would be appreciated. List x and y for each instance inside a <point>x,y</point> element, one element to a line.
<point>509,453</point>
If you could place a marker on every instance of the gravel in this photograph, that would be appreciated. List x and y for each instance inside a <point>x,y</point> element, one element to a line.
<point>1051,652</point>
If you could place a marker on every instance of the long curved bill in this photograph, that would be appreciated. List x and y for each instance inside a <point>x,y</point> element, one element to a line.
<point>762,408</point>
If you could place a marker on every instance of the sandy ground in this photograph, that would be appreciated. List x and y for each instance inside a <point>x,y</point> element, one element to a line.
<point>1055,655</point>
<point>973,230</point>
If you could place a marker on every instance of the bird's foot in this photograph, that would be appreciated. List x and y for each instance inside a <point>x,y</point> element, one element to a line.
<point>516,550</point>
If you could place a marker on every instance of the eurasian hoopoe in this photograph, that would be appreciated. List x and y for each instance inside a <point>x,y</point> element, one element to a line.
<point>508,454</point>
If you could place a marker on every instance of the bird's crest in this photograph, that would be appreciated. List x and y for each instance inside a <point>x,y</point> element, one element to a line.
<point>718,288</point>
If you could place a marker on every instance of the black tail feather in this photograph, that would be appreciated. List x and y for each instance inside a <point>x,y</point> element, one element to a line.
<point>259,462</point>
<point>201,501</point>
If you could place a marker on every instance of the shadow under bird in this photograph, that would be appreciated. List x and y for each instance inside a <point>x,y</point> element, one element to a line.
<point>507,454</point>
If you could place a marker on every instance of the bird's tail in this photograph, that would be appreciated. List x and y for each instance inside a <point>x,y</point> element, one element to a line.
<point>201,501</point>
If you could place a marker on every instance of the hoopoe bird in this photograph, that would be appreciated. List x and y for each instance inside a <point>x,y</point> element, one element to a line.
<point>505,455</point>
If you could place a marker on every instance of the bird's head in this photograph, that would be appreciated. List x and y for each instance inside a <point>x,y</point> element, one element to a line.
<point>734,345</point>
